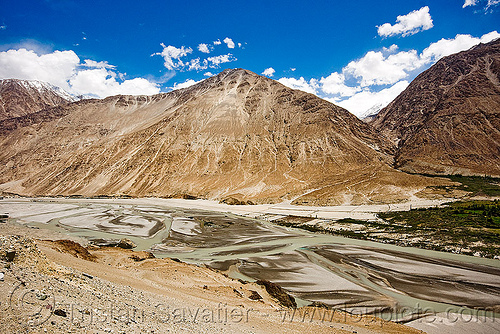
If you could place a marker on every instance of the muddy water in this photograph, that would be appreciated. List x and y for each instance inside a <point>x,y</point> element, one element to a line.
<point>351,274</point>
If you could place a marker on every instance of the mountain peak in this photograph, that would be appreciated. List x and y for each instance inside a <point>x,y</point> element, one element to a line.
<point>238,74</point>
<point>236,134</point>
<point>237,71</point>
<point>22,97</point>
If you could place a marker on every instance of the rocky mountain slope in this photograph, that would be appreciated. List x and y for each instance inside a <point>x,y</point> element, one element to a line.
<point>23,97</point>
<point>448,119</point>
<point>236,135</point>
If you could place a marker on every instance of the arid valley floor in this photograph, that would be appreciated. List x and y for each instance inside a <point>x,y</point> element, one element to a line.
<point>219,251</point>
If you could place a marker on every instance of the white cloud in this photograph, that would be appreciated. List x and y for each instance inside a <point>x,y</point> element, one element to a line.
<point>375,68</point>
<point>368,84</point>
<point>366,102</point>
<point>487,6</point>
<point>56,67</point>
<point>214,62</point>
<point>388,66</point>
<point>239,45</point>
<point>360,102</point>
<point>64,69</point>
<point>185,84</point>
<point>172,56</point>
<point>492,3</point>
<point>195,64</point>
<point>301,84</point>
<point>229,42</point>
<point>409,24</point>
<point>101,82</point>
<point>203,48</point>
<point>208,74</point>
<point>335,84</point>
<point>468,3</point>
<point>446,47</point>
<point>391,49</point>
<point>269,72</point>
<point>293,69</point>
<point>97,64</point>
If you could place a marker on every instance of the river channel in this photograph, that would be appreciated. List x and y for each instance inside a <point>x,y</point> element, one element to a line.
<point>355,275</point>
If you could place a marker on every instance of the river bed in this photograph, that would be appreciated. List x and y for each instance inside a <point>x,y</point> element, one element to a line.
<point>355,275</point>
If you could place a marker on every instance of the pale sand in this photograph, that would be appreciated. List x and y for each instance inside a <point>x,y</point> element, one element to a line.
<point>456,323</point>
<point>122,282</point>
<point>261,210</point>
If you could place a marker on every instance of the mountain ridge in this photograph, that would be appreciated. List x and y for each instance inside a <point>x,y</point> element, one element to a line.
<point>23,97</point>
<point>234,135</point>
<point>448,119</point>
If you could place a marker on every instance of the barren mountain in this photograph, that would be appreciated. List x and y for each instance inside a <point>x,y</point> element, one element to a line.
<point>448,119</point>
<point>23,97</point>
<point>236,135</point>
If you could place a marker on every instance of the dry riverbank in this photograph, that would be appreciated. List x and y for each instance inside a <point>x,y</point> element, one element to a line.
<point>124,291</point>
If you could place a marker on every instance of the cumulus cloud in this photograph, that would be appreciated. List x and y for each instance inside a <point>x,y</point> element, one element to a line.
<point>97,64</point>
<point>185,84</point>
<point>390,49</point>
<point>203,48</point>
<point>64,69</point>
<point>269,72</point>
<point>101,82</point>
<point>446,47</point>
<point>388,66</point>
<point>208,74</point>
<point>229,42</point>
<point>368,84</point>
<point>375,68</point>
<point>56,67</point>
<point>178,58</point>
<point>195,64</point>
<point>215,61</point>
<point>367,102</point>
<point>334,84</point>
<point>409,24</point>
<point>310,86</point>
<point>198,64</point>
<point>173,55</point>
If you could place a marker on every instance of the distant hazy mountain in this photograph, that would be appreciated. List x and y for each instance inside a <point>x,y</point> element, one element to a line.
<point>23,97</point>
<point>448,119</point>
<point>236,135</point>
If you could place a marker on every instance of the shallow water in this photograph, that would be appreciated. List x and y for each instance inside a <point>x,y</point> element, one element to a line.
<point>350,274</point>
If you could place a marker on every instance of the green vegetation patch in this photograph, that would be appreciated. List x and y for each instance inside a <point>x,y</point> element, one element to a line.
<point>471,227</point>
<point>477,185</point>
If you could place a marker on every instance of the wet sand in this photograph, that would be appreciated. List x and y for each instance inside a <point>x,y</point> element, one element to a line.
<point>124,291</point>
<point>355,275</point>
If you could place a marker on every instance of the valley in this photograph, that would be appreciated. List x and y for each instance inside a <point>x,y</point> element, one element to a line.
<point>239,190</point>
<point>344,273</point>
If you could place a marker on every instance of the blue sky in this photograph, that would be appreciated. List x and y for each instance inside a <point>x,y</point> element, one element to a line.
<point>358,54</point>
